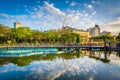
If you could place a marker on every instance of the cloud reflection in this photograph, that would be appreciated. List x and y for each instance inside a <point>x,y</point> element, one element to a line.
<point>81,68</point>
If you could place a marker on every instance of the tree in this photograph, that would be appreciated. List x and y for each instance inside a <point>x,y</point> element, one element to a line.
<point>22,34</point>
<point>118,37</point>
<point>4,33</point>
<point>37,36</point>
<point>77,38</point>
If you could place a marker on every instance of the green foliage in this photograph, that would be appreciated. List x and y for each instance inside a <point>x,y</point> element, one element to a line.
<point>26,35</point>
<point>118,37</point>
<point>22,34</point>
<point>4,34</point>
<point>26,60</point>
<point>103,38</point>
<point>77,38</point>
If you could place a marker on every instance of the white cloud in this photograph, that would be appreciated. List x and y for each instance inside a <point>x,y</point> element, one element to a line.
<point>36,15</point>
<point>79,19</point>
<point>85,4</point>
<point>5,16</point>
<point>52,9</point>
<point>93,2</point>
<point>86,15</point>
<point>35,9</point>
<point>96,2</point>
<point>94,13</point>
<point>114,11</point>
<point>20,16</point>
<point>49,17</point>
<point>73,3</point>
<point>113,26</point>
<point>67,1</point>
<point>42,71</point>
<point>90,7</point>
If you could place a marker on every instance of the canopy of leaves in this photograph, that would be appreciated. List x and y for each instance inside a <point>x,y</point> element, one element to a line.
<point>24,34</point>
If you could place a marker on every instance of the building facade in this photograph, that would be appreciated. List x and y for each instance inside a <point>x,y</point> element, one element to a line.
<point>95,31</point>
<point>85,35</point>
<point>17,24</point>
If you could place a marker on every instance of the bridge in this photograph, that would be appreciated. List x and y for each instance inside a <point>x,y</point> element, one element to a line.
<point>50,46</point>
<point>67,47</point>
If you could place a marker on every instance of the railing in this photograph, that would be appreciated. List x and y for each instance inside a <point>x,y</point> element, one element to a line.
<point>50,46</point>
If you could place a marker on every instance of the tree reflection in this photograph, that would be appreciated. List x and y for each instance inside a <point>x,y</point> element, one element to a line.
<point>23,61</point>
<point>102,56</point>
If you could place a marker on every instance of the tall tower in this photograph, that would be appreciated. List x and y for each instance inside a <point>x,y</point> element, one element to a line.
<point>97,30</point>
<point>17,24</point>
<point>65,24</point>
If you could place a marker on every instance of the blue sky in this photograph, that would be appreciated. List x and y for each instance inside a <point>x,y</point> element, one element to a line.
<point>50,14</point>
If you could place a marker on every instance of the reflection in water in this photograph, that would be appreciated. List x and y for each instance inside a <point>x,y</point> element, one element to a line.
<point>23,61</point>
<point>85,65</point>
<point>100,56</point>
<point>118,54</point>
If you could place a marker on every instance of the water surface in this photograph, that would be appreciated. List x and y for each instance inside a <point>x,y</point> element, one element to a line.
<point>84,65</point>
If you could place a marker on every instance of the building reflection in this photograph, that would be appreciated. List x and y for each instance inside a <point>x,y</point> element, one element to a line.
<point>101,56</point>
<point>118,54</point>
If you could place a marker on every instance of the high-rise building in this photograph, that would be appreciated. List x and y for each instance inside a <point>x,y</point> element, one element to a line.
<point>95,31</point>
<point>17,24</point>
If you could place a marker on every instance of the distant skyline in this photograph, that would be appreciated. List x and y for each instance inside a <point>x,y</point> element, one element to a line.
<point>50,14</point>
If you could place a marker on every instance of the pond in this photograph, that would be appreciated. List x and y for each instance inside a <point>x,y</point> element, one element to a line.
<point>83,65</point>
